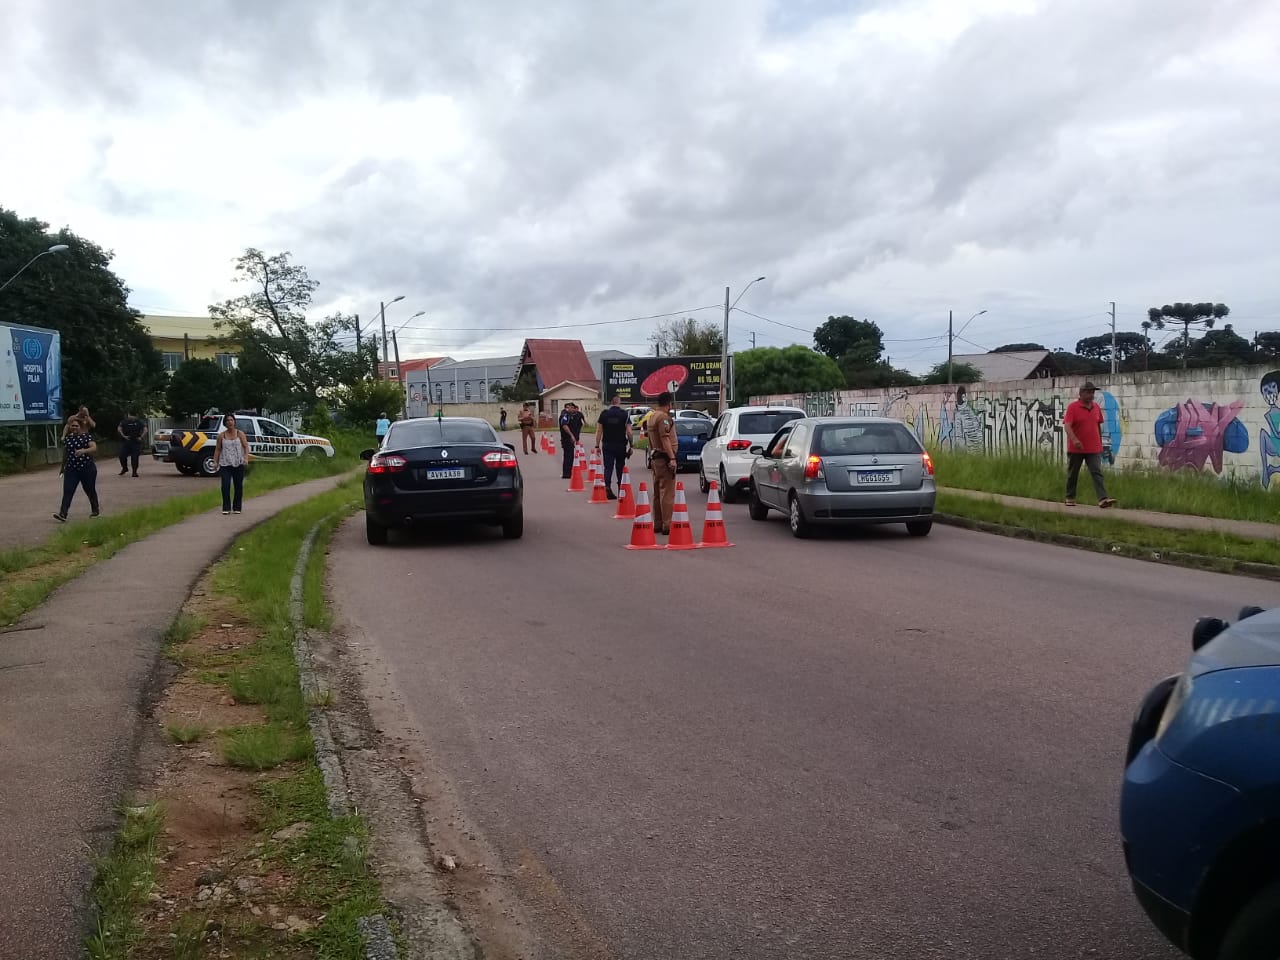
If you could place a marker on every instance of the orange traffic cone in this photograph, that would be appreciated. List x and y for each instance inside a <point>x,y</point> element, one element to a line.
<point>548,446</point>
<point>593,466</point>
<point>626,503</point>
<point>598,494</point>
<point>713,534</point>
<point>579,469</point>
<point>681,536</point>
<point>642,530</point>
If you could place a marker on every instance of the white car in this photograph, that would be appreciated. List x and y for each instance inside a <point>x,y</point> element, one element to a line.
<point>727,456</point>
<point>691,414</point>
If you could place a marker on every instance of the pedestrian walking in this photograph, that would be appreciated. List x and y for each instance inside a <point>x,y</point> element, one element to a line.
<point>571,421</point>
<point>78,468</point>
<point>661,432</point>
<point>527,442</point>
<point>231,453</point>
<point>132,430</point>
<point>1083,424</point>
<point>382,427</point>
<point>613,440</point>
<point>502,418</point>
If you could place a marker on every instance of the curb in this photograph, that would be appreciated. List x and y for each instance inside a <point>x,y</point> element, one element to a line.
<point>1196,561</point>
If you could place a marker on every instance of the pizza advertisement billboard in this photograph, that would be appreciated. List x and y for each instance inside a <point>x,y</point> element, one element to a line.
<point>30,375</point>
<point>639,381</point>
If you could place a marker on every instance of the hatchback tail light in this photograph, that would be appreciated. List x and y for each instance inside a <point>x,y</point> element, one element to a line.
<point>813,469</point>
<point>738,445</point>
<point>928,463</point>
<point>387,463</point>
<point>500,459</point>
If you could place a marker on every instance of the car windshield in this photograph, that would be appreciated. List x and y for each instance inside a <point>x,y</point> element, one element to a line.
<point>209,423</point>
<point>850,439</point>
<point>693,428</point>
<point>767,422</point>
<point>430,433</point>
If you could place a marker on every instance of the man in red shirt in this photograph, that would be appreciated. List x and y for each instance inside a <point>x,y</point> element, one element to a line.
<point>1083,423</point>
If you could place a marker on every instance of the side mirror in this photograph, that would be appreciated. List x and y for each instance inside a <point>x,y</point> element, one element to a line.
<point>367,454</point>
<point>1206,629</point>
<point>757,450</point>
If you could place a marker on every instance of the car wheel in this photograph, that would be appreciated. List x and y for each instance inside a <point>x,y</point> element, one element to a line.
<point>375,533</point>
<point>513,526</point>
<point>187,470</point>
<point>799,525</point>
<point>209,466</point>
<point>756,509</point>
<point>702,481</point>
<point>919,528</point>
<point>727,493</point>
<point>1255,931</point>
<point>313,453</point>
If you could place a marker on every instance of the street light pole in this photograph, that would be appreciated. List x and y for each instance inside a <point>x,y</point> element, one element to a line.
<point>724,341</point>
<point>56,248</point>
<point>951,337</point>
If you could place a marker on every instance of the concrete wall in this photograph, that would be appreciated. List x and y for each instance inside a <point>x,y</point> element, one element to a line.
<point>1224,421</point>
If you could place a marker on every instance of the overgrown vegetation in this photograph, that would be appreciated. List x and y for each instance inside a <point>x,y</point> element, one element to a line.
<point>124,880</point>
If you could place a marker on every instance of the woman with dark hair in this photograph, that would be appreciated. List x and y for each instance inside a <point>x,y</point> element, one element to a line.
<point>78,468</point>
<point>231,453</point>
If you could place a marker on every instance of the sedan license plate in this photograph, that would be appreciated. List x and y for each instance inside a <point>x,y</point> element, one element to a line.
<point>695,457</point>
<point>453,473</point>
<point>875,476</point>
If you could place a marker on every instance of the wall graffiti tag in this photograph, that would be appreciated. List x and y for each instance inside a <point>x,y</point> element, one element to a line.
<point>1269,435</point>
<point>1192,434</point>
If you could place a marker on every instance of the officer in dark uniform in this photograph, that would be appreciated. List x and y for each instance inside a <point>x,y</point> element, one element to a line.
<point>571,421</point>
<point>131,429</point>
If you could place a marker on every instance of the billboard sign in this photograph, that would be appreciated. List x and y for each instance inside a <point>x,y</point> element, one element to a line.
<point>640,380</point>
<point>30,375</point>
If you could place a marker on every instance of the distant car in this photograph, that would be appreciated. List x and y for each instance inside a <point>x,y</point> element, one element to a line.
<point>191,451</point>
<point>727,455</point>
<point>844,470</point>
<point>637,414</point>
<point>691,415</point>
<point>1200,801</point>
<point>448,469</point>
<point>691,437</point>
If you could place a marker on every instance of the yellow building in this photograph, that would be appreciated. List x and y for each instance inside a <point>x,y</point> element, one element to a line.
<point>187,338</point>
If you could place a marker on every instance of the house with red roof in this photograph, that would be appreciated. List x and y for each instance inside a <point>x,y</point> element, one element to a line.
<point>554,362</point>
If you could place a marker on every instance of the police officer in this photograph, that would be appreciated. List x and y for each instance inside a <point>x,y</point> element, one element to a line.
<point>571,421</point>
<point>661,431</point>
<point>131,429</point>
<point>613,440</point>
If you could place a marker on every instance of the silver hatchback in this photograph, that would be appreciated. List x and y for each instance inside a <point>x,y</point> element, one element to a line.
<point>844,470</point>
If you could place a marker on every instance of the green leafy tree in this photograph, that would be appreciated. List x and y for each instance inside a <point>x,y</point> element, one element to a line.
<point>519,392</point>
<point>108,360</point>
<point>1267,346</point>
<point>200,385</point>
<point>364,401</point>
<point>684,338</point>
<point>853,342</point>
<point>960,373</point>
<point>1019,347</point>
<point>1073,364</point>
<point>794,369</point>
<point>262,384</point>
<point>270,323</point>
<point>1220,348</point>
<point>1187,315</point>
<point>857,376</point>
<point>1130,348</point>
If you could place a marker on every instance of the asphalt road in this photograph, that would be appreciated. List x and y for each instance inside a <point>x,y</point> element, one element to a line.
<point>863,746</point>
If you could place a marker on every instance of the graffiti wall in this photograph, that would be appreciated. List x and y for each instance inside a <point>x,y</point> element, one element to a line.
<point>1224,421</point>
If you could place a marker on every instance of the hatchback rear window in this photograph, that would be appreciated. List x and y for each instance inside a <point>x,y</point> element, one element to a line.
<point>838,440</point>
<point>766,423</point>
<point>433,433</point>
<point>694,428</point>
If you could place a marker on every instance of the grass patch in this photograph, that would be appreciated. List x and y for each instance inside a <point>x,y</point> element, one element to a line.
<point>183,629</point>
<point>125,878</point>
<point>265,746</point>
<point>185,732</point>
<point>1044,478</point>
<point>1112,535</point>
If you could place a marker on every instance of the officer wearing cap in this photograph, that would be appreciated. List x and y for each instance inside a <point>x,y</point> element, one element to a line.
<point>661,431</point>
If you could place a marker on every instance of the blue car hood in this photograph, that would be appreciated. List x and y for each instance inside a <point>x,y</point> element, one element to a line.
<point>1254,642</point>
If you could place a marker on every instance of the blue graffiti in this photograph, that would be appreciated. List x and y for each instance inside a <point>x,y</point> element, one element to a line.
<point>1269,436</point>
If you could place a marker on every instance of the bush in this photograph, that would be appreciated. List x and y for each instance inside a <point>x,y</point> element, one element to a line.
<point>364,401</point>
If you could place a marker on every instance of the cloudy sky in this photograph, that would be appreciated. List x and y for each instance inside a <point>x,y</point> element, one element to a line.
<point>515,168</point>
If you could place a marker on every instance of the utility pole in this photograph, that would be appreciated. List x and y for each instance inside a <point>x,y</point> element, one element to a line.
<point>753,339</point>
<point>382,311</point>
<point>1113,338</point>
<point>724,354</point>
<point>356,318</point>
<point>404,411</point>
<point>951,340</point>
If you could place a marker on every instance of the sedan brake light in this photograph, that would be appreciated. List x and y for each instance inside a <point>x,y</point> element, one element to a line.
<point>813,469</point>
<point>738,445</point>
<point>928,463</point>
<point>502,459</point>
<point>387,463</point>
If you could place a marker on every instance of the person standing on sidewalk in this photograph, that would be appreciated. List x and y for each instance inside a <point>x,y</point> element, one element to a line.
<point>525,420</point>
<point>571,421</point>
<point>1083,424</point>
<point>78,468</point>
<point>661,432</point>
<point>231,453</point>
<point>131,430</point>
<point>502,418</point>
<point>613,440</point>
<point>382,427</point>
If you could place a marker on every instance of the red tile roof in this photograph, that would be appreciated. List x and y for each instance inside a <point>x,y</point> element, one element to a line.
<point>408,366</point>
<point>559,360</point>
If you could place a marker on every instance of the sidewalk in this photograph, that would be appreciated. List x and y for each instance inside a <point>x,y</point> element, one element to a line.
<point>73,680</point>
<point>1172,521</point>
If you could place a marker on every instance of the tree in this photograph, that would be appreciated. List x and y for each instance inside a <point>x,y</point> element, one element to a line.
<point>857,377</point>
<point>1220,348</point>
<point>518,392</point>
<point>270,322</point>
<point>859,342</point>
<point>794,369</point>
<point>1268,346</point>
<point>1019,347</point>
<point>200,385</point>
<point>365,400</point>
<point>960,373</point>
<point>1188,315</point>
<point>687,338</point>
<point>108,360</point>
<point>1130,347</point>
<point>1074,365</point>
<point>261,383</point>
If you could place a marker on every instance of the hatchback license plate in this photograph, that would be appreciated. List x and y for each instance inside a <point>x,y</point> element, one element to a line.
<point>451,474</point>
<point>875,476</point>
<point>693,456</point>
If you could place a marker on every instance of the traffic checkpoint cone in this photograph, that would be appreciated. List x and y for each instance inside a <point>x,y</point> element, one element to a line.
<point>579,469</point>
<point>713,534</point>
<point>593,466</point>
<point>548,446</point>
<point>598,490</point>
<point>626,503</point>
<point>681,536</point>
<point>642,530</point>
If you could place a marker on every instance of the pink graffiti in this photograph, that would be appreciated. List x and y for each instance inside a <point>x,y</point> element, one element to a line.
<point>1200,435</point>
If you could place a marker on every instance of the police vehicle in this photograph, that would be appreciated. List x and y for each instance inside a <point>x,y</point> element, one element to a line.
<point>191,451</point>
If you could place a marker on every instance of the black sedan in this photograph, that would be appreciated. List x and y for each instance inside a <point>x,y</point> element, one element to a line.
<point>442,469</point>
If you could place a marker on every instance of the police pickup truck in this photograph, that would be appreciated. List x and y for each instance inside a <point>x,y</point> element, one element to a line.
<point>191,451</point>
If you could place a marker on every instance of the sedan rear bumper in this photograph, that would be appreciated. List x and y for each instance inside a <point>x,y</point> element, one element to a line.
<point>886,506</point>
<point>393,509</point>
